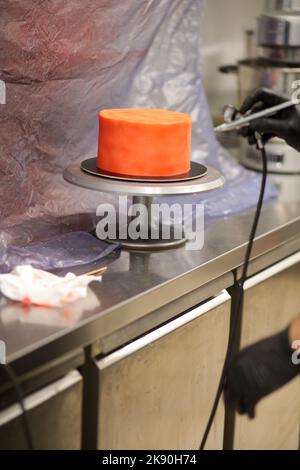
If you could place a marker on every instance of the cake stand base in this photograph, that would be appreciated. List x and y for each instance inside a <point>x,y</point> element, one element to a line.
<point>208,179</point>
<point>158,237</point>
<point>149,244</point>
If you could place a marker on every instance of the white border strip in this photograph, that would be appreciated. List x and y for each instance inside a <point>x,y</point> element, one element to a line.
<point>39,397</point>
<point>272,271</point>
<point>163,330</point>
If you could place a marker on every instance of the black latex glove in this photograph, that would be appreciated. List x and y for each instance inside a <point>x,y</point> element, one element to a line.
<point>259,370</point>
<point>285,124</point>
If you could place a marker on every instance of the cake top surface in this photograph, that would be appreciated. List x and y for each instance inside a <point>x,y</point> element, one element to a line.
<point>146,116</point>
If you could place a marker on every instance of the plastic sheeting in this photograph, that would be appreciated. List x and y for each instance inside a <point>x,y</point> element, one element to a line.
<point>63,251</point>
<point>64,60</point>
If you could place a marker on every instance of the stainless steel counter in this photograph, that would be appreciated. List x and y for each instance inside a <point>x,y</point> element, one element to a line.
<point>138,284</point>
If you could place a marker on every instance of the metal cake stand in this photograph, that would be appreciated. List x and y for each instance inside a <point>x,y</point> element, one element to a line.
<point>143,193</point>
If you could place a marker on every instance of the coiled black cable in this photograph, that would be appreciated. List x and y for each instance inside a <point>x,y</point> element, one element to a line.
<point>240,295</point>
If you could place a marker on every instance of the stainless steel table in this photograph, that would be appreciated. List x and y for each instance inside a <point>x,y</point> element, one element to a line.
<point>138,284</point>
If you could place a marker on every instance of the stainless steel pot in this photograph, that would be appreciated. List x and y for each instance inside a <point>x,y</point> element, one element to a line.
<point>278,36</point>
<point>281,157</point>
<point>283,5</point>
<point>277,66</point>
<point>278,32</point>
<point>256,73</point>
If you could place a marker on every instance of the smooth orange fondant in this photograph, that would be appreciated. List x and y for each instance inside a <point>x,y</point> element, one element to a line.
<point>144,142</point>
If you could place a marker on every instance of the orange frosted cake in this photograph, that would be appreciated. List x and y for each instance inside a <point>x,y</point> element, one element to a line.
<point>144,142</point>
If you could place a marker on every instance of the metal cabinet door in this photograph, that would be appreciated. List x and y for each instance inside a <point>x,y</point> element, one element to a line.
<point>271,301</point>
<point>54,414</point>
<point>157,392</point>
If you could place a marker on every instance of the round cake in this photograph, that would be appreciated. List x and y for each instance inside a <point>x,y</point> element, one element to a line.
<point>144,142</point>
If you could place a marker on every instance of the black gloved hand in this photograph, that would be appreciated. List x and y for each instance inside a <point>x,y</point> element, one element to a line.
<point>285,124</point>
<point>259,370</point>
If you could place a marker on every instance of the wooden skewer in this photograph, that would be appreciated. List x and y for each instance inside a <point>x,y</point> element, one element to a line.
<point>89,273</point>
<point>95,271</point>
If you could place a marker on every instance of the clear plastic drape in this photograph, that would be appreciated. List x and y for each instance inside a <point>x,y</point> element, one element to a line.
<point>64,60</point>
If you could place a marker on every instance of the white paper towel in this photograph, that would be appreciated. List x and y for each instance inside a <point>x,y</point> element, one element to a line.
<point>34,286</point>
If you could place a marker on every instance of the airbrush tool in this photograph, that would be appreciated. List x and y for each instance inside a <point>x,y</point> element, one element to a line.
<point>234,120</point>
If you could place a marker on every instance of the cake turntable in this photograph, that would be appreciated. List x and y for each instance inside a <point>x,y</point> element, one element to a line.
<point>200,179</point>
<point>197,170</point>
